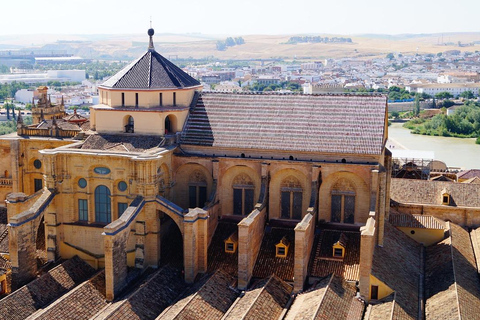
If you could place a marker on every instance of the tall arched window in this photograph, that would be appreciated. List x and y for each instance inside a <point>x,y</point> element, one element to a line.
<point>243,193</point>
<point>343,202</point>
<point>129,127</point>
<point>291,198</point>
<point>103,210</point>
<point>197,190</point>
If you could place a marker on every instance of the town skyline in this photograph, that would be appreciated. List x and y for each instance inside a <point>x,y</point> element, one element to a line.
<point>217,17</point>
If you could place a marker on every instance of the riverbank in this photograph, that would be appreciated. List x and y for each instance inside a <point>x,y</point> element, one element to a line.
<point>455,152</point>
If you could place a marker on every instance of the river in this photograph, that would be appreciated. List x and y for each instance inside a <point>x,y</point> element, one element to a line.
<point>455,152</point>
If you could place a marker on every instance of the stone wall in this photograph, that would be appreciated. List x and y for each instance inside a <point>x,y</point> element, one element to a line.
<point>304,236</point>
<point>464,216</point>
<point>250,234</point>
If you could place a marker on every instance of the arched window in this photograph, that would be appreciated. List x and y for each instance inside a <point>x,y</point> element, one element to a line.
<point>343,202</point>
<point>243,193</point>
<point>129,127</point>
<point>103,210</point>
<point>197,190</point>
<point>291,198</point>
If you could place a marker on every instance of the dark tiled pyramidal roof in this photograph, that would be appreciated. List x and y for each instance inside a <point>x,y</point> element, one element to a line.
<point>313,123</point>
<point>151,71</point>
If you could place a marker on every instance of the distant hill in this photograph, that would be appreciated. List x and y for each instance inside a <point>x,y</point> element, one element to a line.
<point>128,46</point>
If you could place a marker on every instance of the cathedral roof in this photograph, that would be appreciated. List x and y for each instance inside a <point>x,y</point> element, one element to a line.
<point>151,71</point>
<point>312,123</point>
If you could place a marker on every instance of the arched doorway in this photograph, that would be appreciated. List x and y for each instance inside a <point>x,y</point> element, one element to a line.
<point>130,126</point>
<point>171,242</point>
<point>168,125</point>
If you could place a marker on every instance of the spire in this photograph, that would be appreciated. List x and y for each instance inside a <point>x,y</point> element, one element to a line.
<point>33,102</point>
<point>150,33</point>
<point>62,100</point>
<point>41,115</point>
<point>49,101</point>
<point>75,111</point>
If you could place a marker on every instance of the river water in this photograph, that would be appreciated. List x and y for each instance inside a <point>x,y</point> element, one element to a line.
<point>455,152</point>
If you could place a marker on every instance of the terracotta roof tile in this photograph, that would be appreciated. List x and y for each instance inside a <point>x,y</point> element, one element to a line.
<point>123,143</point>
<point>82,302</point>
<point>325,123</point>
<point>415,221</point>
<point>265,300</point>
<point>211,301</point>
<point>397,264</point>
<point>382,310</point>
<point>428,192</point>
<point>217,257</point>
<point>331,298</point>
<point>321,261</point>
<point>267,263</point>
<point>148,301</point>
<point>468,174</point>
<point>42,291</point>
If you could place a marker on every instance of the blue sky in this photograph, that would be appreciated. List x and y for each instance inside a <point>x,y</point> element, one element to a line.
<point>239,17</point>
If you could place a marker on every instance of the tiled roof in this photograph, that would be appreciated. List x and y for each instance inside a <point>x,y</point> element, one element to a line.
<point>4,238</point>
<point>151,71</point>
<point>397,264</point>
<point>312,123</point>
<point>469,174</point>
<point>211,301</point>
<point>452,286</point>
<point>267,263</point>
<point>62,124</point>
<point>475,180</point>
<point>428,192</point>
<point>42,291</point>
<point>148,301</point>
<point>265,300</point>
<point>83,301</point>
<point>382,310</point>
<point>331,298</point>
<point>123,143</point>
<point>415,221</point>
<point>217,257</point>
<point>323,264</point>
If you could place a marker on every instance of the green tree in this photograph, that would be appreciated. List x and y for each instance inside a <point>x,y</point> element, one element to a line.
<point>444,95</point>
<point>467,95</point>
<point>417,105</point>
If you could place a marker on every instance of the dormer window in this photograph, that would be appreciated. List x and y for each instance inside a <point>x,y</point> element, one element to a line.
<point>281,248</point>
<point>231,243</point>
<point>446,199</point>
<point>338,248</point>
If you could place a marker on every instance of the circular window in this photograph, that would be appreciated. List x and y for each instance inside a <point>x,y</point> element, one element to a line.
<point>412,232</point>
<point>37,164</point>
<point>122,186</point>
<point>82,183</point>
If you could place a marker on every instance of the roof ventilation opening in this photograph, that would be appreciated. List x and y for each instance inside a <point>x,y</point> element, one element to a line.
<point>291,158</point>
<point>242,155</point>
<point>344,161</point>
